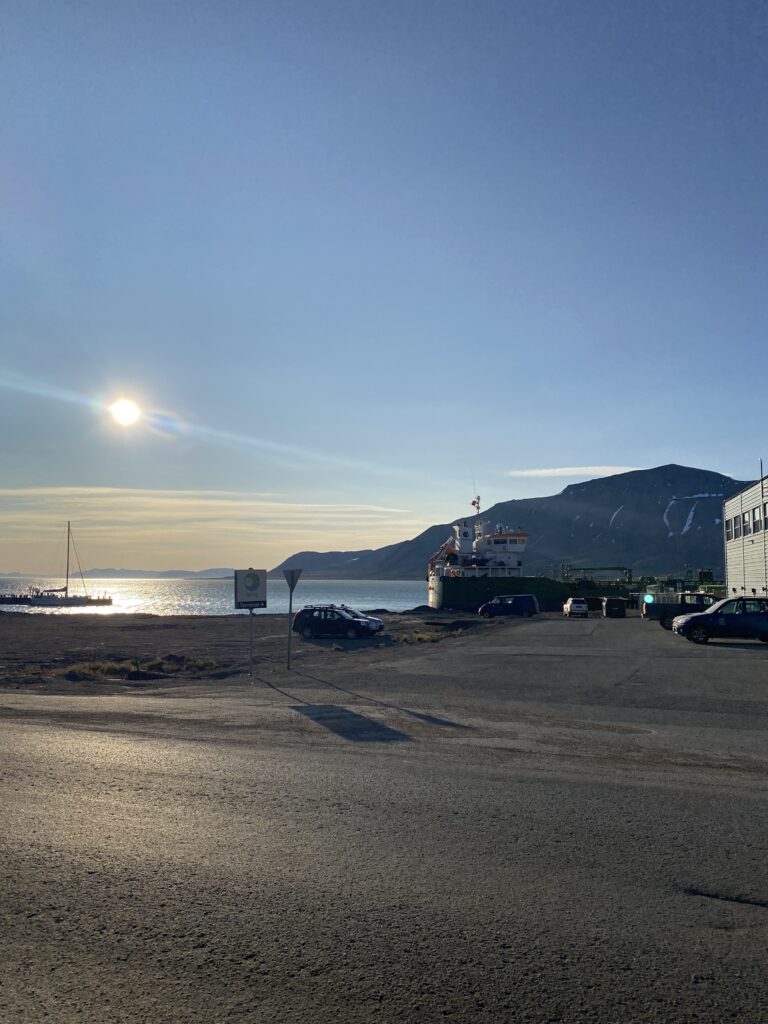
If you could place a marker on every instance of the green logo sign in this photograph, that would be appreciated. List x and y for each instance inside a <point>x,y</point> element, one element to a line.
<point>252,581</point>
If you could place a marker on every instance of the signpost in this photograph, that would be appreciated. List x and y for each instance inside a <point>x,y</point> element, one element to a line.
<point>291,578</point>
<point>250,593</point>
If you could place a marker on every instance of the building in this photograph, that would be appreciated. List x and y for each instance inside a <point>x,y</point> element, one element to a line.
<point>745,521</point>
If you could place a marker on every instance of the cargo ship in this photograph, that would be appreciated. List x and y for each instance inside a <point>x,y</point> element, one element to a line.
<point>480,562</point>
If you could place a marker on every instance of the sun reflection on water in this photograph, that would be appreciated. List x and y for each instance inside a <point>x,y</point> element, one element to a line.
<point>216,596</point>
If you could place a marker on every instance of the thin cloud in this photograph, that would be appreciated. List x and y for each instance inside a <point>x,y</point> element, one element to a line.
<point>136,527</point>
<point>178,498</point>
<point>572,471</point>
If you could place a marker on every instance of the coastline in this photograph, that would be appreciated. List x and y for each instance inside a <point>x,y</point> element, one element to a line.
<point>39,651</point>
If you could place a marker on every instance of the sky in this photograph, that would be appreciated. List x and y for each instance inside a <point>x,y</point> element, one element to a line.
<point>358,261</point>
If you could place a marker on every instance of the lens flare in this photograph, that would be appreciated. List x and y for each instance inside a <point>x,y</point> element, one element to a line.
<point>168,425</point>
<point>125,412</point>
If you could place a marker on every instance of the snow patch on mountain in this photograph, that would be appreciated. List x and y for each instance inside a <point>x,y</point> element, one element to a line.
<point>689,520</point>
<point>615,514</point>
<point>665,515</point>
<point>690,497</point>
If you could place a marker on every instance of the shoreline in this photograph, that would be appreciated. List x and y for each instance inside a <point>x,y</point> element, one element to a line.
<point>38,651</point>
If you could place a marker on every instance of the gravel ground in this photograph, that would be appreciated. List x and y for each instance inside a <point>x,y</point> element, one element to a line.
<point>541,821</point>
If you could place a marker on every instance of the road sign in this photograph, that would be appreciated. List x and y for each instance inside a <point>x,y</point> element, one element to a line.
<point>250,588</point>
<point>292,577</point>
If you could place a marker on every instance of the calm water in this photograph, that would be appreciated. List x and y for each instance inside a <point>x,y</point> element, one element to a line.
<point>216,597</point>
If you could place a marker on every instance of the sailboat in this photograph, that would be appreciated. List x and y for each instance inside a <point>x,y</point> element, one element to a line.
<point>60,597</point>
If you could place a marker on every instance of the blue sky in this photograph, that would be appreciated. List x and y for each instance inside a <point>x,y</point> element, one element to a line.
<point>359,254</point>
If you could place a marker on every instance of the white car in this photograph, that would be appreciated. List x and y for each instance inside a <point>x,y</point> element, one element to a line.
<point>576,607</point>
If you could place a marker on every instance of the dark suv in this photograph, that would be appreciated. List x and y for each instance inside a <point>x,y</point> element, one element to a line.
<point>512,604</point>
<point>745,618</point>
<point>328,620</point>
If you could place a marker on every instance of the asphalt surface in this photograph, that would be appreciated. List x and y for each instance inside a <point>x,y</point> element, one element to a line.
<point>537,821</point>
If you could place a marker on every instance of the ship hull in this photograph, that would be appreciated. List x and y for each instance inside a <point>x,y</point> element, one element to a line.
<point>467,593</point>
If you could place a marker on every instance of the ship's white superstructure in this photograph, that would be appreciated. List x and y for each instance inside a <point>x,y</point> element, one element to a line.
<point>476,550</point>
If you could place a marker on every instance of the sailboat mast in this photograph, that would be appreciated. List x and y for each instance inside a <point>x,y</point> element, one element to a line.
<point>66,582</point>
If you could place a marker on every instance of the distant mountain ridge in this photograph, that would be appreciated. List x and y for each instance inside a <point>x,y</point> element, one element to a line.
<point>651,521</point>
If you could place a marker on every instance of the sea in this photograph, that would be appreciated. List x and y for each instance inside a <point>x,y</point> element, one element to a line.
<point>216,596</point>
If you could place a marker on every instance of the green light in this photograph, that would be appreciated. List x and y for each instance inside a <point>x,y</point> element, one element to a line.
<point>648,599</point>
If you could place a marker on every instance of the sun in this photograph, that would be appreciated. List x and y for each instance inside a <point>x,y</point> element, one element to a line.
<point>125,412</point>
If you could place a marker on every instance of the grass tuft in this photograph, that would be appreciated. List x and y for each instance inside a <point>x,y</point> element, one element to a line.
<point>420,638</point>
<point>86,670</point>
<point>169,665</point>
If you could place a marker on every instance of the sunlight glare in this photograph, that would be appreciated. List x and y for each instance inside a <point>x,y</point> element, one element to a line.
<point>125,412</point>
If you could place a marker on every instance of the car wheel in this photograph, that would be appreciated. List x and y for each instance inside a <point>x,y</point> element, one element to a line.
<point>666,621</point>
<point>698,634</point>
<point>307,633</point>
<point>351,633</point>
<point>486,615</point>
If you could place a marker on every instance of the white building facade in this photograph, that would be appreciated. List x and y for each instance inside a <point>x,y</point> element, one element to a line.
<point>745,521</point>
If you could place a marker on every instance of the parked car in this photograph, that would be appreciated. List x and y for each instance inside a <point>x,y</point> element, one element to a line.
<point>576,607</point>
<point>614,607</point>
<point>375,624</point>
<point>743,618</point>
<point>329,620</point>
<point>525,605</point>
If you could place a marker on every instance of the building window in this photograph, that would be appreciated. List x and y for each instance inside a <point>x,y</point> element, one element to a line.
<point>729,529</point>
<point>736,527</point>
<point>746,520</point>
<point>757,523</point>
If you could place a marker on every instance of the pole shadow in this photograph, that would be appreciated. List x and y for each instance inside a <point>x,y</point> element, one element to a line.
<point>421,715</point>
<point>349,725</point>
<point>433,719</point>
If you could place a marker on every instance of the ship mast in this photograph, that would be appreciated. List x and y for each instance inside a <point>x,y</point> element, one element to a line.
<point>479,521</point>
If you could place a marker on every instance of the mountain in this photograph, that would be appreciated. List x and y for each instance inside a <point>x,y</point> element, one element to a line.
<point>651,521</point>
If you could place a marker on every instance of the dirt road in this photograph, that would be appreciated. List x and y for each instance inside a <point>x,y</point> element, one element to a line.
<point>545,820</point>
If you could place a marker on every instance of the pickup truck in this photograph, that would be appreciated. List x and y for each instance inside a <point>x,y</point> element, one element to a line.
<point>663,608</point>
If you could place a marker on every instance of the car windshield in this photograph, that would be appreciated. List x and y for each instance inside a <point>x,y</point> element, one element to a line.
<point>717,606</point>
<point>354,612</point>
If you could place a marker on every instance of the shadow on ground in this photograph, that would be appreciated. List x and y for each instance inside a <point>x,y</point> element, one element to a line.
<point>342,643</point>
<point>421,715</point>
<point>349,725</point>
